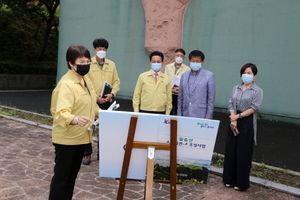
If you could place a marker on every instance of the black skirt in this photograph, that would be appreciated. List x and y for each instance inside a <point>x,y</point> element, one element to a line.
<point>238,154</point>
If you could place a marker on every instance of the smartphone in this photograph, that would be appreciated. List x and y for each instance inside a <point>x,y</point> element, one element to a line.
<point>235,132</point>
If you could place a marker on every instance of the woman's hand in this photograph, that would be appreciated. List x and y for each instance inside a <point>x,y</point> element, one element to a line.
<point>233,117</point>
<point>83,120</point>
<point>233,125</point>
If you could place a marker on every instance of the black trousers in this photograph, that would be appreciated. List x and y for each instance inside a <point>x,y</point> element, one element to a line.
<point>67,165</point>
<point>238,154</point>
<point>153,112</point>
<point>89,149</point>
<point>174,104</point>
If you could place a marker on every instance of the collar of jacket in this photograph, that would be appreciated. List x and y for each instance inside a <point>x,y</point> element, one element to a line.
<point>252,87</point>
<point>151,74</point>
<point>73,76</point>
<point>94,60</point>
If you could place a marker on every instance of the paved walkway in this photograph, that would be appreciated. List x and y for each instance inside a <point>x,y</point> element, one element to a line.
<point>26,168</point>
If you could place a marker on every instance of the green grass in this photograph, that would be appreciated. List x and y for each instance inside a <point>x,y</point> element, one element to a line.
<point>261,170</point>
<point>38,118</point>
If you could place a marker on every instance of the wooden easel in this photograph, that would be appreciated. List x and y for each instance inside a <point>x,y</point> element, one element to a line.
<point>151,146</point>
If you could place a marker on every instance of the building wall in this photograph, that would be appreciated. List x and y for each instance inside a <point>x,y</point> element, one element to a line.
<point>230,33</point>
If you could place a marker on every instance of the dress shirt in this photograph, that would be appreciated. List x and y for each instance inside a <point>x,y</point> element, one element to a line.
<point>243,100</point>
<point>192,80</point>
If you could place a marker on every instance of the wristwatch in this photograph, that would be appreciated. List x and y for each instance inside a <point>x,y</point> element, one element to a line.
<point>240,116</point>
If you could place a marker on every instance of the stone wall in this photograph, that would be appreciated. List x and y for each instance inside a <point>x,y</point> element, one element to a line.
<point>26,82</point>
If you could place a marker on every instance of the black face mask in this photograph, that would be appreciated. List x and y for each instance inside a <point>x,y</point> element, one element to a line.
<point>83,69</point>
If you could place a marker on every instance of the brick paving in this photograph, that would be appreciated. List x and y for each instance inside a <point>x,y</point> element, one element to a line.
<point>26,169</point>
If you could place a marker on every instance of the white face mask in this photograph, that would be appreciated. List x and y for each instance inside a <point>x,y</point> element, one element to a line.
<point>195,66</point>
<point>156,66</point>
<point>101,54</point>
<point>178,60</point>
<point>247,78</point>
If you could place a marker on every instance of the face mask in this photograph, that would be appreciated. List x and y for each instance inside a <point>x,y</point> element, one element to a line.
<point>195,66</point>
<point>101,54</point>
<point>247,78</point>
<point>156,66</point>
<point>83,69</point>
<point>178,60</point>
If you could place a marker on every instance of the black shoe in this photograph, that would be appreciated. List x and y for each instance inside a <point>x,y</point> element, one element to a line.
<point>86,160</point>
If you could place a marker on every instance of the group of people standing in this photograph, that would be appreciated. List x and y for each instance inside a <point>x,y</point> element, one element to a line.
<point>193,96</point>
<point>76,100</point>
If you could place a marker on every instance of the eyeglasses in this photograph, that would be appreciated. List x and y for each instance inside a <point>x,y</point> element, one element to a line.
<point>83,61</point>
<point>179,55</point>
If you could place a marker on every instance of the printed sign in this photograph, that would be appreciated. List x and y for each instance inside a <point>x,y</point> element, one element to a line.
<point>195,144</point>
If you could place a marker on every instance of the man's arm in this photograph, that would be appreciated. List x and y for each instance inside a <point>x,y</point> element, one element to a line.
<point>137,95</point>
<point>116,82</point>
<point>211,93</point>
<point>180,98</point>
<point>169,99</point>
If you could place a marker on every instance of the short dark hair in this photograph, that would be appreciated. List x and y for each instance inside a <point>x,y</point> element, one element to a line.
<point>157,53</point>
<point>76,51</point>
<point>100,42</point>
<point>197,53</point>
<point>180,50</point>
<point>247,65</point>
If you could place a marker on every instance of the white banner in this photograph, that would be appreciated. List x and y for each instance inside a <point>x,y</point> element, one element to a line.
<point>195,144</point>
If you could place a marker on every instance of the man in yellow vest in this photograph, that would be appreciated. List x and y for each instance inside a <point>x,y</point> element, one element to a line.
<point>102,69</point>
<point>175,69</point>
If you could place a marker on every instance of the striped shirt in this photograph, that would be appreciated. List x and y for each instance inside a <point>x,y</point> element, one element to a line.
<point>192,80</point>
<point>243,100</point>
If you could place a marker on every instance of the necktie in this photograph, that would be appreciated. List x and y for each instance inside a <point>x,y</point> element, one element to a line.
<point>155,76</point>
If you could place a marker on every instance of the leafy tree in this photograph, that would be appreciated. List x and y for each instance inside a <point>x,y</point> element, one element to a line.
<point>27,29</point>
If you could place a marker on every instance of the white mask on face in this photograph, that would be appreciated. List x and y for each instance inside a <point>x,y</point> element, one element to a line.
<point>101,54</point>
<point>195,66</point>
<point>156,66</point>
<point>247,78</point>
<point>178,60</point>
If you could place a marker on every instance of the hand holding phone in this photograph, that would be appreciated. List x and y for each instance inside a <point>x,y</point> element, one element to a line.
<point>235,132</point>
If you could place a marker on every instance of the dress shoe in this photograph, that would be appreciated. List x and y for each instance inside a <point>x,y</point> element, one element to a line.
<point>86,160</point>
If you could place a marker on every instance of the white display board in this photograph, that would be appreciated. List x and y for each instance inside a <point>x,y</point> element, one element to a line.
<point>196,140</point>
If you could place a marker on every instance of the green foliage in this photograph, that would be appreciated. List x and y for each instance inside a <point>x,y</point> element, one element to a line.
<point>192,181</point>
<point>38,68</point>
<point>29,30</point>
<point>185,173</point>
<point>218,160</point>
<point>259,115</point>
<point>263,165</point>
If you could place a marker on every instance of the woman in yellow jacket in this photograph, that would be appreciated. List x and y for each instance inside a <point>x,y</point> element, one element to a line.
<point>73,107</point>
